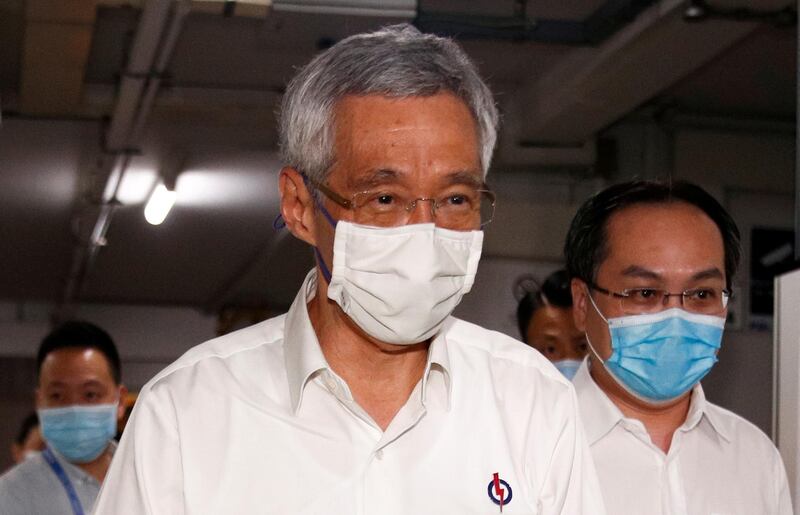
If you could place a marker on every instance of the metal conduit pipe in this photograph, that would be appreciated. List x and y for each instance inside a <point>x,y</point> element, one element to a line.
<point>134,126</point>
<point>151,51</point>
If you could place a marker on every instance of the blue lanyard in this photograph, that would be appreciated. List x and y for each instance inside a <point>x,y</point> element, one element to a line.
<point>58,470</point>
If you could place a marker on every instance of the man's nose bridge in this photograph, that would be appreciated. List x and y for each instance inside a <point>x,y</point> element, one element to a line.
<point>678,300</point>
<point>421,214</point>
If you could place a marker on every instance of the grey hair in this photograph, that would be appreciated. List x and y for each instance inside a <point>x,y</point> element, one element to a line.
<point>396,61</point>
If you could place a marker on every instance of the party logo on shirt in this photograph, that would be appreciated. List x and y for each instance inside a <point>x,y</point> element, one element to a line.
<point>499,491</point>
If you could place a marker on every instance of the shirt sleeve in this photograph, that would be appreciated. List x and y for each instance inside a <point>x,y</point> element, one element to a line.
<point>571,486</point>
<point>146,475</point>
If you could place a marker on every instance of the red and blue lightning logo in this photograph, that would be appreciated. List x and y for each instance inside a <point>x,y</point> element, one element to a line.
<point>499,491</point>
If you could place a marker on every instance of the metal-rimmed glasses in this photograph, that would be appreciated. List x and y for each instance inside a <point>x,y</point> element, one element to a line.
<point>460,207</point>
<point>637,301</point>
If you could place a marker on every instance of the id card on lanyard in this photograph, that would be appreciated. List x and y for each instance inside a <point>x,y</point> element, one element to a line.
<point>61,474</point>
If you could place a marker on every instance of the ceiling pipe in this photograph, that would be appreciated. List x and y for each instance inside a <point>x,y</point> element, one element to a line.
<point>123,137</point>
<point>151,51</point>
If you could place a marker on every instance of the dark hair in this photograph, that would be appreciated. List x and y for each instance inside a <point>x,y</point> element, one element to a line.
<point>554,292</point>
<point>28,424</point>
<point>587,242</point>
<point>79,334</point>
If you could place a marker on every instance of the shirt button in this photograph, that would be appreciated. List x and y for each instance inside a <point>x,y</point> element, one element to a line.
<point>379,454</point>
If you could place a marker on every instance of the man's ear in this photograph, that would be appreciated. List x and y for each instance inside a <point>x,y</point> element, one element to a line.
<point>580,303</point>
<point>123,392</point>
<point>297,205</point>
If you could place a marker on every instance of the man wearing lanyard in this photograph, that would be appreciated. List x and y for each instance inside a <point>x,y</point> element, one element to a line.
<point>652,265</point>
<point>78,403</point>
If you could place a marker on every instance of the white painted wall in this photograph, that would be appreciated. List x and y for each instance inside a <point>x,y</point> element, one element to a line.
<point>787,385</point>
<point>148,337</point>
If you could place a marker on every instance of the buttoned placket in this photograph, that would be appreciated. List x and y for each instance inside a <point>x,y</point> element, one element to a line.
<point>673,496</point>
<point>378,461</point>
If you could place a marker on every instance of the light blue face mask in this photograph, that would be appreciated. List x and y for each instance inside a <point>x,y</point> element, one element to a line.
<point>79,433</point>
<point>658,357</point>
<point>568,367</point>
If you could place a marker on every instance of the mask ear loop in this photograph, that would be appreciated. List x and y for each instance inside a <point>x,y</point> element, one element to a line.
<point>326,272</point>
<point>591,346</point>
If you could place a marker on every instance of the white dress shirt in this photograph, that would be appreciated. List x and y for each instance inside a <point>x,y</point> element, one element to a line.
<point>256,422</point>
<point>718,462</point>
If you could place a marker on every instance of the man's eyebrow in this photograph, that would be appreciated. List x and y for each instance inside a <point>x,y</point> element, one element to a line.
<point>644,273</point>
<point>376,178</point>
<point>640,272</point>
<point>91,382</point>
<point>464,177</point>
<point>56,384</point>
<point>711,273</point>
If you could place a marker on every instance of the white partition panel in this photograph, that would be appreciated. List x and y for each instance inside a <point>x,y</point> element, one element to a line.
<point>787,378</point>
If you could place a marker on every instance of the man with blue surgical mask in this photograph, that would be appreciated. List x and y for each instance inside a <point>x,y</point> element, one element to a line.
<point>544,316</point>
<point>652,265</point>
<point>368,397</point>
<point>77,400</point>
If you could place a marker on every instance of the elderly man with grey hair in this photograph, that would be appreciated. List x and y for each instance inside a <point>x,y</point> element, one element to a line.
<point>368,397</point>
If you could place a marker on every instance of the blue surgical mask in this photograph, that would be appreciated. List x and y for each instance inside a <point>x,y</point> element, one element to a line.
<point>568,367</point>
<point>658,357</point>
<point>79,433</point>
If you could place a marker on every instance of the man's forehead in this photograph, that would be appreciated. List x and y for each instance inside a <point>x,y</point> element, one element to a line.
<point>86,361</point>
<point>382,140</point>
<point>674,235</point>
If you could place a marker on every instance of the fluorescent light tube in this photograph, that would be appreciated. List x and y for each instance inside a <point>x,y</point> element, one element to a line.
<point>158,206</point>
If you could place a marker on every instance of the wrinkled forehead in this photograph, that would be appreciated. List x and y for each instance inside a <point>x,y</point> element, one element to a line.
<point>390,139</point>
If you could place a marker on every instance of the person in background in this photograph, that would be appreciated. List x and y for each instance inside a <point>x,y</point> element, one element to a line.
<point>28,440</point>
<point>368,396</point>
<point>546,323</point>
<point>78,404</point>
<point>652,265</point>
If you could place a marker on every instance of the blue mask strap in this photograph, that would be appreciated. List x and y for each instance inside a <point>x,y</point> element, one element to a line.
<point>326,272</point>
<point>326,214</point>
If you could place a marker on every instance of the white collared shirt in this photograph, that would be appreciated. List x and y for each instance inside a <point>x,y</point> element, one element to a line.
<point>718,463</point>
<point>256,422</point>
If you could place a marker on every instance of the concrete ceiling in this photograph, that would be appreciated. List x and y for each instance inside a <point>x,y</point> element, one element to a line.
<point>65,75</point>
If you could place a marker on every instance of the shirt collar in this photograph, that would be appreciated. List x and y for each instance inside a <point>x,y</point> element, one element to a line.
<point>303,355</point>
<point>600,414</point>
<point>436,380</point>
<point>699,410</point>
<point>73,470</point>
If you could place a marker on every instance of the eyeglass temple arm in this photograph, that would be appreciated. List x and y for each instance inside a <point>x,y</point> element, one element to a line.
<point>607,292</point>
<point>345,203</point>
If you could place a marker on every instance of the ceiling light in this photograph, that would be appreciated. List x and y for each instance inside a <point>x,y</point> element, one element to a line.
<point>160,203</point>
<point>696,10</point>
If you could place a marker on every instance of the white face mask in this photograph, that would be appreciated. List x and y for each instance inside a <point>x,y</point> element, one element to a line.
<point>400,284</point>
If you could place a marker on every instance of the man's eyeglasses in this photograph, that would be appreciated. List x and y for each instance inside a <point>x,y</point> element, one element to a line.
<point>460,207</point>
<point>637,301</point>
